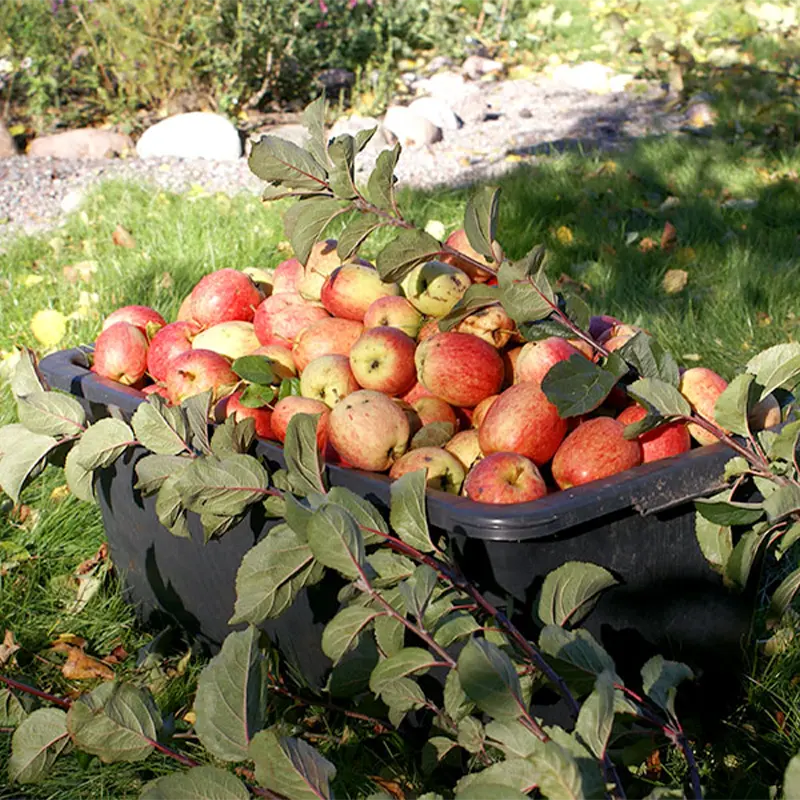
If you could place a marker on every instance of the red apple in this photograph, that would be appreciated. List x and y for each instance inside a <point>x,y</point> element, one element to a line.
<point>536,358</point>
<point>504,478</point>
<point>595,449</point>
<point>522,420</point>
<point>663,442</point>
<point>428,330</point>
<point>169,341</point>
<point>482,409</point>
<point>383,359</point>
<point>369,430</point>
<point>285,409</point>
<point>120,353</point>
<point>185,310</point>
<point>224,295</point>
<point>329,336</point>
<point>322,260</point>
<point>394,312</point>
<point>701,387</point>
<point>328,378</point>
<point>261,416</point>
<point>156,388</point>
<point>460,368</point>
<point>146,319</point>
<point>197,371</point>
<point>443,471</point>
<point>281,317</point>
<point>415,392</point>
<point>287,276</point>
<point>434,409</point>
<point>351,288</point>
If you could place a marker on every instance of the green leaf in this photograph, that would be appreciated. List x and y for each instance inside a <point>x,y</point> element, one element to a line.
<point>79,479</point>
<point>160,428</point>
<point>283,163</point>
<point>787,539</point>
<point>579,312</point>
<point>170,509</point>
<point>596,717</point>
<point>291,767</point>
<point>513,738</point>
<point>478,296</point>
<point>734,404</point>
<point>402,695</point>
<point>782,597</point>
<point>290,387</point>
<point>776,367</point>
<point>314,123</point>
<point>400,256</point>
<point>12,709</point>
<point>342,154</point>
<point>153,470</point>
<point>784,445</point>
<point>434,751</point>
<point>103,443</point>
<point>577,386</point>
<point>407,516</point>
<point>254,369</point>
<point>471,735</point>
<point>22,457</point>
<point>526,292</point>
<point>222,486</point>
<point>271,575</point>
<point>390,634</point>
<point>116,722</point>
<point>51,413</point>
<point>516,774</point>
<point>650,359</point>
<point>210,783</point>
<point>197,409</point>
<point>232,437</point>
<point>455,627</point>
<point>380,185</point>
<point>257,396</point>
<point>363,137</point>
<point>785,500</point>
<point>490,680</point>
<point>480,219</point>
<point>490,791</point>
<point>364,513</point>
<point>409,661</point>
<point>660,398</point>
<point>36,744</point>
<point>570,592</point>
<point>351,675</point>
<point>557,773</point>
<point>306,221</point>
<point>434,434</point>
<point>391,567</point>
<point>719,510</point>
<point>214,525</point>
<point>302,456</point>
<point>577,647</point>
<point>355,234</point>
<point>716,542</point>
<point>297,514</point>
<point>743,557</point>
<point>335,540</point>
<point>232,697</point>
<point>456,703</point>
<point>25,379</point>
<point>342,632</point>
<point>791,778</point>
<point>660,681</point>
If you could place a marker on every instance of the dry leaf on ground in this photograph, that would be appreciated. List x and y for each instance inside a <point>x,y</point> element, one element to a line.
<point>8,647</point>
<point>647,244</point>
<point>669,236</point>
<point>123,238</point>
<point>675,281</point>
<point>79,666</point>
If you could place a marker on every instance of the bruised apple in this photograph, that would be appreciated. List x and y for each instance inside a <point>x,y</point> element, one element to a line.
<point>369,430</point>
<point>596,449</point>
<point>322,261</point>
<point>491,324</point>
<point>434,288</point>
<point>465,446</point>
<point>522,420</point>
<point>504,478</point>
<point>328,378</point>
<point>443,470</point>
<point>460,368</point>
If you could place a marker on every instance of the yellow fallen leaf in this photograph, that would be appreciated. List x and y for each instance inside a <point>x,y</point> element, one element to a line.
<point>514,158</point>
<point>59,493</point>
<point>49,326</point>
<point>564,235</point>
<point>190,717</point>
<point>16,130</point>
<point>692,357</point>
<point>675,281</point>
<point>32,280</point>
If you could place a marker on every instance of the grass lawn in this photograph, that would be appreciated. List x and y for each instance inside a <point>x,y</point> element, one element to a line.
<point>734,212</point>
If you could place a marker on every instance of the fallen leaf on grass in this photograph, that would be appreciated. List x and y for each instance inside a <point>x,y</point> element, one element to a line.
<point>60,493</point>
<point>564,235</point>
<point>49,327</point>
<point>669,236</point>
<point>647,244</point>
<point>79,666</point>
<point>90,563</point>
<point>123,238</point>
<point>675,281</point>
<point>7,648</point>
<point>116,656</point>
<point>82,271</point>
<point>392,788</point>
<point>64,640</point>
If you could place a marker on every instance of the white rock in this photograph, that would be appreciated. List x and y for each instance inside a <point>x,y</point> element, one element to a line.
<point>619,83</point>
<point>475,67</point>
<point>410,129</point>
<point>198,134</point>
<point>447,85</point>
<point>81,143</point>
<point>437,111</point>
<point>588,75</point>
<point>72,201</point>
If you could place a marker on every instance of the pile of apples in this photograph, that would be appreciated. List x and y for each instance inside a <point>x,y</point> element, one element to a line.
<point>372,361</point>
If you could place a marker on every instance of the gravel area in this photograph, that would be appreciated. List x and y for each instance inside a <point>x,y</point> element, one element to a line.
<point>524,119</point>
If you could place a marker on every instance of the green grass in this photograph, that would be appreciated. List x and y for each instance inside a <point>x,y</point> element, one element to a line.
<point>741,295</point>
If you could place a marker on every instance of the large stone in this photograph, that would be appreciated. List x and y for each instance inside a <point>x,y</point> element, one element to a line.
<point>410,129</point>
<point>8,146</point>
<point>476,67</point>
<point>465,99</point>
<point>82,143</point>
<point>198,134</point>
<point>588,76</point>
<point>437,111</point>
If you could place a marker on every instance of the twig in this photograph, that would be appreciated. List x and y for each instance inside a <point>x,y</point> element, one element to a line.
<point>23,687</point>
